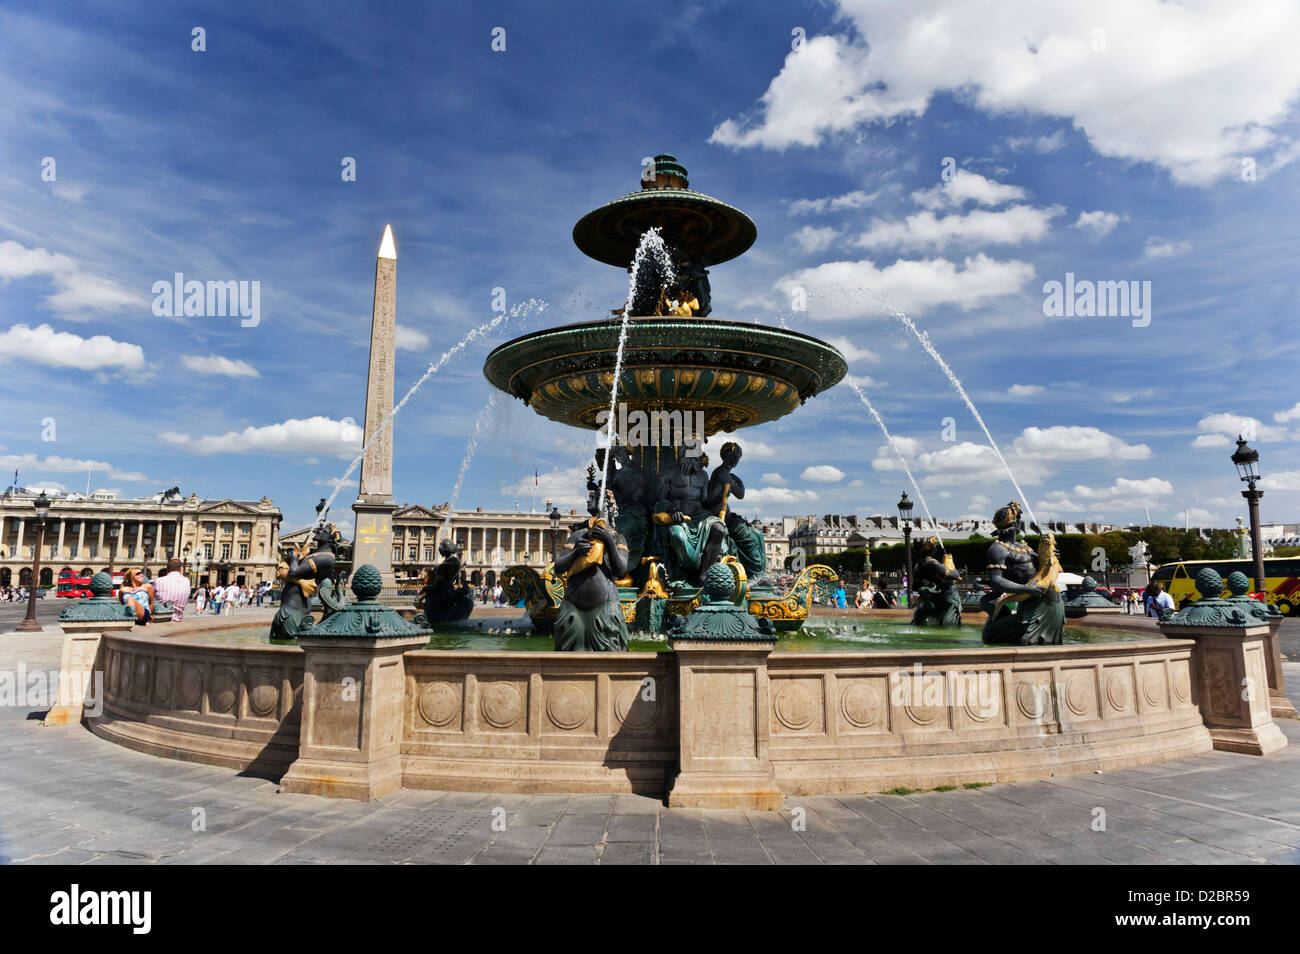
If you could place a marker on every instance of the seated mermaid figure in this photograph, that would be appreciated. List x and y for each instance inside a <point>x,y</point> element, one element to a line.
<point>724,484</point>
<point>443,600</point>
<point>300,577</point>
<point>691,533</point>
<point>590,618</point>
<point>939,603</point>
<point>1021,577</point>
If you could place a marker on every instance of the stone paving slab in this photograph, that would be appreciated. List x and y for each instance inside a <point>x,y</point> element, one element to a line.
<point>68,797</point>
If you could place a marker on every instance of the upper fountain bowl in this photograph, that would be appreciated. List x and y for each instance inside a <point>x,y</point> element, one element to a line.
<point>706,229</point>
<point>737,374</point>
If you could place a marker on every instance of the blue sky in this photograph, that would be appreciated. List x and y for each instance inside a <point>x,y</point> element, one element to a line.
<point>1113,156</point>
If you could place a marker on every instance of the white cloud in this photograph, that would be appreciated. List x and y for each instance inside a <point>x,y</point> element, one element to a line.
<point>217,364</point>
<point>1075,443</point>
<point>853,353</point>
<point>925,230</point>
<point>70,192</point>
<point>1124,494</point>
<point>410,339</point>
<point>1282,417</point>
<point>1100,223</point>
<point>1212,440</point>
<point>812,239</point>
<point>833,203</point>
<point>1189,87</point>
<point>66,465</point>
<point>1040,144</point>
<point>863,381</point>
<point>78,294</point>
<point>1281,480</point>
<point>766,496</point>
<point>62,349</point>
<point>1232,425</point>
<point>843,289</point>
<point>774,478</point>
<point>822,474</point>
<point>1195,516</point>
<point>1025,390</point>
<point>313,435</point>
<point>1165,248</point>
<point>966,186</point>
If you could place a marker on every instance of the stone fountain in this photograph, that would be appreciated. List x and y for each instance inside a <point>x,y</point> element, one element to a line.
<point>683,376</point>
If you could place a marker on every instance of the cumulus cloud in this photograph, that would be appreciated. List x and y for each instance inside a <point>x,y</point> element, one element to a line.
<point>1039,144</point>
<point>763,496</point>
<point>312,435</point>
<point>410,339</point>
<point>28,463</point>
<point>925,230</point>
<point>216,364</point>
<point>1212,440</point>
<point>811,239</point>
<point>1124,494</point>
<point>856,199</point>
<point>774,478</point>
<point>853,353</point>
<point>78,293</point>
<point>1100,223</point>
<point>1075,443</point>
<point>1281,480</point>
<point>838,290</point>
<point>1164,248</point>
<point>1025,390</point>
<point>1225,95</point>
<point>1232,425</point>
<point>964,187</point>
<point>62,349</point>
<point>1282,417</point>
<point>822,474</point>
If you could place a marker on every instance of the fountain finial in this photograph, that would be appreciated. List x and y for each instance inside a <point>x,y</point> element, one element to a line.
<point>668,174</point>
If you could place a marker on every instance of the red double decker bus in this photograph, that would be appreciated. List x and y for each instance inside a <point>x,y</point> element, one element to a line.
<point>73,586</point>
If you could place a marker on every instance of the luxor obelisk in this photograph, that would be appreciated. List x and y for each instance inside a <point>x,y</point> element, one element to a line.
<point>374,506</point>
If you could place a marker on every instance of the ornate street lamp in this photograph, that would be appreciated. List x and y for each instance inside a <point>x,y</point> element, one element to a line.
<point>556,517</point>
<point>114,529</point>
<point>1246,460</point>
<point>905,521</point>
<point>29,624</point>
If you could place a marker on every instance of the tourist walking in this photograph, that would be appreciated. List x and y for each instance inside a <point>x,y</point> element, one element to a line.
<point>215,596</point>
<point>200,598</point>
<point>174,587</point>
<point>231,598</point>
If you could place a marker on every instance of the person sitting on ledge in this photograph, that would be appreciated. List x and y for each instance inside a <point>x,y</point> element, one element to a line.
<point>136,594</point>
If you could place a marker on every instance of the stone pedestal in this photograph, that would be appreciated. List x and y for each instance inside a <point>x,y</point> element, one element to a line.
<point>373,542</point>
<point>351,733</point>
<point>1278,702</point>
<point>723,706</point>
<point>1231,668</point>
<point>77,669</point>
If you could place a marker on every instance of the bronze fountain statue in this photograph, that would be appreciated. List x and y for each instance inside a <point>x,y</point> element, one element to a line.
<point>1025,580</point>
<point>595,555</point>
<point>442,597</point>
<point>301,577</point>
<point>938,603</point>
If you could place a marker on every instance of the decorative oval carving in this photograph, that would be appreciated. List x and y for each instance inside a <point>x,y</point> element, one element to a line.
<point>861,704</point>
<point>225,688</point>
<point>1118,693</point>
<point>439,704</point>
<point>924,715</point>
<point>264,693</point>
<point>500,704</point>
<point>140,679</point>
<point>1153,687</point>
<point>1078,693</point>
<point>633,710</point>
<point>795,707</point>
<point>162,681</point>
<point>566,706</point>
<point>1031,700</point>
<point>1182,683</point>
<point>114,673</point>
<point>191,687</point>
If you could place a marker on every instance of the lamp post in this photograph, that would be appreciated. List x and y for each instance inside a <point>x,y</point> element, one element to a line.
<point>556,517</point>
<point>114,529</point>
<point>1246,460</point>
<point>905,521</point>
<point>148,548</point>
<point>29,624</point>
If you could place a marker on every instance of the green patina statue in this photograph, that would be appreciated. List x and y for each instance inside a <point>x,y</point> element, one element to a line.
<point>746,542</point>
<point>595,555</point>
<point>690,535</point>
<point>721,615</point>
<point>627,482</point>
<point>1023,580</point>
<point>301,577</point>
<point>936,581</point>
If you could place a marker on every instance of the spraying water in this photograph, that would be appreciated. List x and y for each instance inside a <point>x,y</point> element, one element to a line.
<point>523,308</point>
<point>484,419</point>
<point>651,245</point>
<point>933,352</point>
<point>901,459</point>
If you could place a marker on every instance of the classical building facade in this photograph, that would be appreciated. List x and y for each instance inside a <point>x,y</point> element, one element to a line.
<point>225,541</point>
<point>491,540</point>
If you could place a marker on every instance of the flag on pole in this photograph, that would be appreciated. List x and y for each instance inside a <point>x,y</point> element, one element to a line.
<point>534,476</point>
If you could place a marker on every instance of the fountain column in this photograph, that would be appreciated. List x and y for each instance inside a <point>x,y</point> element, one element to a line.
<point>374,506</point>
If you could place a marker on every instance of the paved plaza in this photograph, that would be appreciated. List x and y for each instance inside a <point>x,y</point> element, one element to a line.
<point>68,797</point>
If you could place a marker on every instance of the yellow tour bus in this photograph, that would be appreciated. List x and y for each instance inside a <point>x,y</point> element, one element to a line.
<point>1281,580</point>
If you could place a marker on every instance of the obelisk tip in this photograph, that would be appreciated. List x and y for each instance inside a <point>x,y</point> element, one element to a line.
<point>386,248</point>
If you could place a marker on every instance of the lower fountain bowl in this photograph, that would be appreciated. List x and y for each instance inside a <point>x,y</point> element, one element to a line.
<point>736,374</point>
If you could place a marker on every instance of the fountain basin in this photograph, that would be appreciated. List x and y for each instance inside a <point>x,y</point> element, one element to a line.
<point>829,723</point>
<point>737,374</point>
